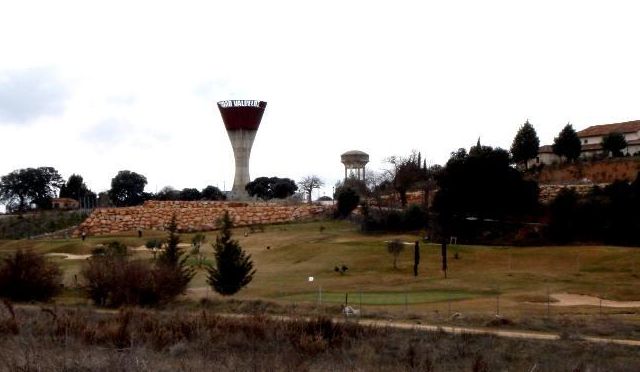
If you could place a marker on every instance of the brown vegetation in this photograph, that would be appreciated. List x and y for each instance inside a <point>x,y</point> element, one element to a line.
<point>80,340</point>
<point>601,171</point>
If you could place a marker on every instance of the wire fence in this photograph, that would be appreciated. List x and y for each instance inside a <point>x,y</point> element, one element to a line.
<point>453,303</point>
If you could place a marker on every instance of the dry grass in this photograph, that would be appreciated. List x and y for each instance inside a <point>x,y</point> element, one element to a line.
<point>136,340</point>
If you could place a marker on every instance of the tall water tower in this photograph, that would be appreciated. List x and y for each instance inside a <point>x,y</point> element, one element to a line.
<point>242,119</point>
<point>354,164</point>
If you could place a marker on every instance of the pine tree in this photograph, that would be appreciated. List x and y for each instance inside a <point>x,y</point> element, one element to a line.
<point>174,261</point>
<point>525,144</point>
<point>567,143</point>
<point>233,269</point>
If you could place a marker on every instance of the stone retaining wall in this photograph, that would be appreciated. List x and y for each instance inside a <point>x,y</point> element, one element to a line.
<point>192,216</point>
<point>549,192</point>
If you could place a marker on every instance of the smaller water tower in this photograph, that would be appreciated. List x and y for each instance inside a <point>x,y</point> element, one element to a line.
<point>354,164</point>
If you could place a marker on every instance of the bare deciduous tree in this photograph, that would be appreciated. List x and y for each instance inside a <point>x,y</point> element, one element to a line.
<point>308,183</point>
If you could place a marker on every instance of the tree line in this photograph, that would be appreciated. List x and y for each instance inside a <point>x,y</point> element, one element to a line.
<point>482,197</point>
<point>23,189</point>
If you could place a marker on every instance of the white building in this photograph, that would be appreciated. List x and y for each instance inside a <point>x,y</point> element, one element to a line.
<point>590,139</point>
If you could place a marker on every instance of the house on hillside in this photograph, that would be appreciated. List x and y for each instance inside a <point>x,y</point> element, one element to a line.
<point>590,139</point>
<point>64,203</point>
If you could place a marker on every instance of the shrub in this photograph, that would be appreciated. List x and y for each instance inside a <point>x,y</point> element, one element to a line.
<point>415,218</point>
<point>113,280</point>
<point>395,247</point>
<point>154,245</point>
<point>27,276</point>
<point>348,200</point>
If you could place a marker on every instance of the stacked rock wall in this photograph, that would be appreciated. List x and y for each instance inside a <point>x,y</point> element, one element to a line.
<point>192,216</point>
<point>549,192</point>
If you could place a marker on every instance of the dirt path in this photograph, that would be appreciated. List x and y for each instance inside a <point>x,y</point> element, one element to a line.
<point>493,332</point>
<point>569,299</point>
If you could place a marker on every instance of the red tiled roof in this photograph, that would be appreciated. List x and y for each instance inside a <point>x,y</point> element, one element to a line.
<point>545,149</point>
<point>599,130</point>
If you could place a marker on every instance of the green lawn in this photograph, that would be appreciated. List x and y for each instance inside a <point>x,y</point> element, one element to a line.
<point>379,298</point>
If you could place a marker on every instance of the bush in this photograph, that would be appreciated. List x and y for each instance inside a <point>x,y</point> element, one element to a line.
<point>113,280</point>
<point>348,200</point>
<point>411,219</point>
<point>395,247</point>
<point>27,276</point>
<point>415,218</point>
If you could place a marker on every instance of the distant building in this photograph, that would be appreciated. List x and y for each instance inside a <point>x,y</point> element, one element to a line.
<point>65,203</point>
<point>590,139</point>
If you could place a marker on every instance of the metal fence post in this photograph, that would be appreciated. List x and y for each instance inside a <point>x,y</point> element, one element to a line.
<point>498,300</point>
<point>406,302</point>
<point>548,303</point>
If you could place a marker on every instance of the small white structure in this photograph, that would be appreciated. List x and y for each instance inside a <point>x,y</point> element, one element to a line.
<point>350,311</point>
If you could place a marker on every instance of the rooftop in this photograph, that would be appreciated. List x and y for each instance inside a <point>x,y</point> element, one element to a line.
<point>602,129</point>
<point>355,152</point>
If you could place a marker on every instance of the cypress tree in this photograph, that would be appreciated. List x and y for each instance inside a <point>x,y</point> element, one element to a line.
<point>525,144</point>
<point>567,143</point>
<point>233,268</point>
<point>174,260</point>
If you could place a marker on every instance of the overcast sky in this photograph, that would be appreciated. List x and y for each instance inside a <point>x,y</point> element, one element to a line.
<point>94,87</point>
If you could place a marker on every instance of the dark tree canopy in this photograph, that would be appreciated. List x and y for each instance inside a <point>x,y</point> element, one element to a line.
<point>167,193</point>
<point>75,188</point>
<point>525,144</point>
<point>348,200</point>
<point>127,189</point>
<point>233,268</point>
<point>212,193</point>
<point>271,188</point>
<point>482,184</point>
<point>567,143</point>
<point>23,187</point>
<point>407,173</point>
<point>613,143</point>
<point>190,194</point>
<point>359,186</point>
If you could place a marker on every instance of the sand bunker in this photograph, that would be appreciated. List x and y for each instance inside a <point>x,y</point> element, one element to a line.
<point>568,299</point>
<point>70,256</point>
<point>144,247</point>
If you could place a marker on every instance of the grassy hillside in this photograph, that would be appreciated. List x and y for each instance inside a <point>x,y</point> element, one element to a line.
<point>520,276</point>
<point>37,223</point>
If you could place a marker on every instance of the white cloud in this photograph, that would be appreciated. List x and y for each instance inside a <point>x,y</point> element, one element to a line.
<point>31,93</point>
